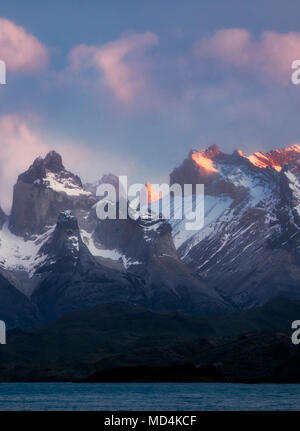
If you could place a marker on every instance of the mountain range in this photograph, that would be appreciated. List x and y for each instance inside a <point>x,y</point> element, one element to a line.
<point>56,256</point>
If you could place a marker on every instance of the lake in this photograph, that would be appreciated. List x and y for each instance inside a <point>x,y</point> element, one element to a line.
<point>148,396</point>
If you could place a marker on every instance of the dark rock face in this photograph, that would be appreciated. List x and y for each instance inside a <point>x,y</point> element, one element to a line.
<point>16,310</point>
<point>3,217</point>
<point>53,162</point>
<point>151,254</point>
<point>74,280</point>
<point>42,192</point>
<point>140,240</point>
<point>62,248</point>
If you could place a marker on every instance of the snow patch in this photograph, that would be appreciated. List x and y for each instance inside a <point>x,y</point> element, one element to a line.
<point>16,253</point>
<point>64,185</point>
<point>105,253</point>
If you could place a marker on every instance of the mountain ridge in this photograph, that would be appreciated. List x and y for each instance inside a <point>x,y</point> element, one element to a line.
<point>55,250</point>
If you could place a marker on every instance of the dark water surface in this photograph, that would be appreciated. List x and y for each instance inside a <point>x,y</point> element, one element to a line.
<point>148,396</point>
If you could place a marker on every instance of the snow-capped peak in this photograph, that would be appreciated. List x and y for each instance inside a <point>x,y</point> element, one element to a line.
<point>51,173</point>
<point>275,158</point>
<point>206,160</point>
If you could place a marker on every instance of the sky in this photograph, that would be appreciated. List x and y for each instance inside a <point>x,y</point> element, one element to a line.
<point>131,86</point>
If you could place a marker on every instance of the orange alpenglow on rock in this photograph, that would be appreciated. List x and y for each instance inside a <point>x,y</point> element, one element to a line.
<point>204,158</point>
<point>262,161</point>
<point>152,193</point>
<point>204,162</point>
<point>274,158</point>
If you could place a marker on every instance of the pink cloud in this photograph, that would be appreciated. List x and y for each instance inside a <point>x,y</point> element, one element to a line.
<point>19,147</point>
<point>20,50</point>
<point>121,62</point>
<point>271,55</point>
<point>22,142</point>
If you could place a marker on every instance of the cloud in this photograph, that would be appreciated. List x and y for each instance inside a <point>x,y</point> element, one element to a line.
<point>270,55</point>
<point>92,163</point>
<point>121,62</point>
<point>19,146</point>
<point>22,141</point>
<point>20,50</point>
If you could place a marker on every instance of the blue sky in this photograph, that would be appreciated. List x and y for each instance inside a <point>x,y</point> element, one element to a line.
<point>130,86</point>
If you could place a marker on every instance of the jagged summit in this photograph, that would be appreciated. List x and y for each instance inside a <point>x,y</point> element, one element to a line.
<point>53,162</point>
<point>238,152</point>
<point>50,171</point>
<point>35,172</point>
<point>206,160</point>
<point>276,158</point>
<point>43,191</point>
<point>38,170</point>
<point>211,151</point>
<point>198,167</point>
<point>211,165</point>
<point>62,248</point>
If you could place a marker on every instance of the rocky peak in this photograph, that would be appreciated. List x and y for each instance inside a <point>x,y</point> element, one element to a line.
<point>62,248</point>
<point>42,171</point>
<point>42,192</point>
<point>212,167</point>
<point>275,158</point>
<point>67,222</point>
<point>210,152</point>
<point>198,168</point>
<point>238,152</point>
<point>38,170</point>
<point>105,179</point>
<point>140,239</point>
<point>53,162</point>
